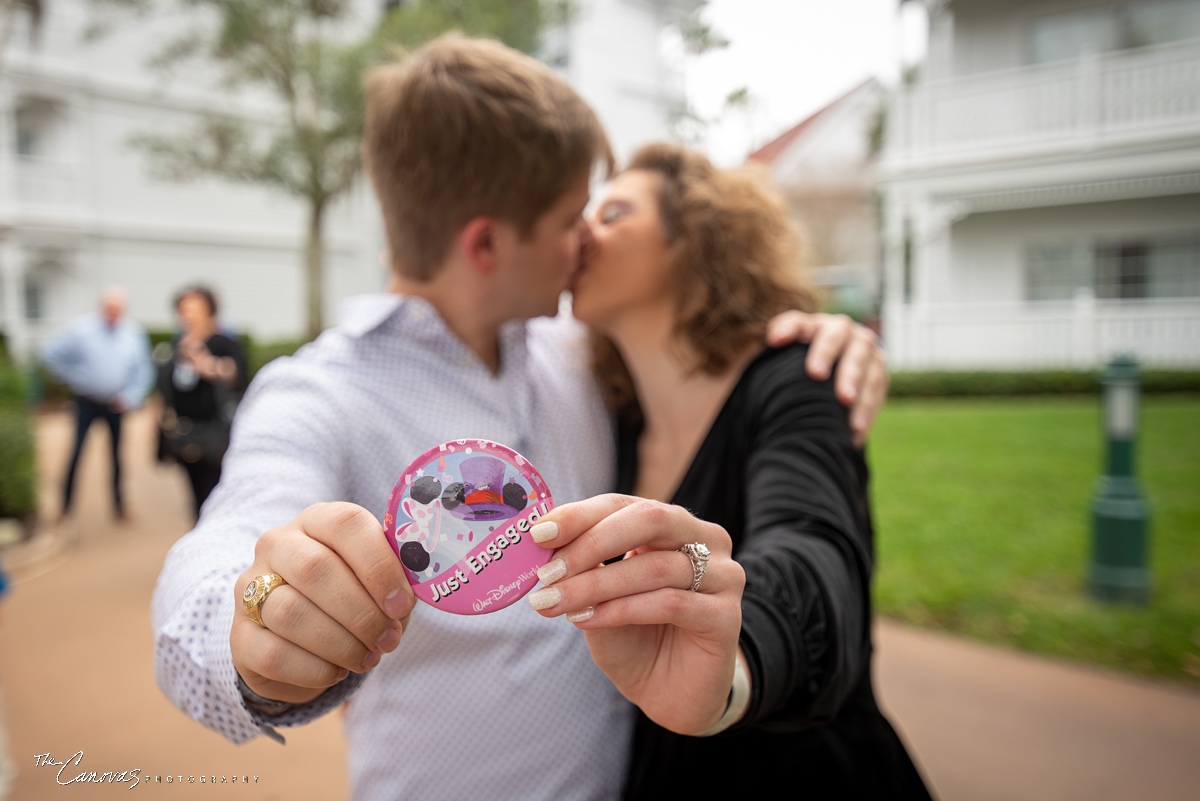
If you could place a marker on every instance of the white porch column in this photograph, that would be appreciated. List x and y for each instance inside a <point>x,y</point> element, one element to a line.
<point>12,285</point>
<point>1083,329</point>
<point>931,268</point>
<point>894,309</point>
<point>939,61</point>
<point>12,293</point>
<point>8,155</point>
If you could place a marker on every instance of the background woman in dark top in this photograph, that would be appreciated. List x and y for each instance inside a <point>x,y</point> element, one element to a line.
<point>200,388</point>
<point>760,680</point>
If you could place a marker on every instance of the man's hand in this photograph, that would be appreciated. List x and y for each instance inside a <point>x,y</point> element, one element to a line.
<point>861,378</point>
<point>345,604</point>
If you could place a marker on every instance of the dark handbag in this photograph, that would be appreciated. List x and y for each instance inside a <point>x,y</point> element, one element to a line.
<point>193,441</point>
<point>190,441</point>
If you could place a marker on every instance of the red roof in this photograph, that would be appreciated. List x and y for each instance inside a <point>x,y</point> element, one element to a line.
<point>773,149</point>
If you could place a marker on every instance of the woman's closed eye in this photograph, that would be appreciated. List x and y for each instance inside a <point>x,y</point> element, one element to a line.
<point>613,212</point>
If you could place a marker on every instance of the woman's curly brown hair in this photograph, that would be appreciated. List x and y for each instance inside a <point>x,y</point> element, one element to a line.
<point>736,257</point>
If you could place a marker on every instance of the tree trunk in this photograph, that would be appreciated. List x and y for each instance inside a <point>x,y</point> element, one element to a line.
<point>314,268</point>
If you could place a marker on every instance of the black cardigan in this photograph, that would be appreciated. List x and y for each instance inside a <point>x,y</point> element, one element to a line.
<point>779,472</point>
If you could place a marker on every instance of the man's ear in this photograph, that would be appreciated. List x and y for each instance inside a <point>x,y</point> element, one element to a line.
<point>478,243</point>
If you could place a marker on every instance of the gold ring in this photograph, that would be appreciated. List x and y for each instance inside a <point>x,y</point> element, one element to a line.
<point>256,595</point>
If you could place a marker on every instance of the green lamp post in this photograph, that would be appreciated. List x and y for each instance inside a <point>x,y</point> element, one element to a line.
<point>1120,514</point>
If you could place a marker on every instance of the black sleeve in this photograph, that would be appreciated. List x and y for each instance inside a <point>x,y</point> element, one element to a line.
<point>806,550</point>
<point>220,345</point>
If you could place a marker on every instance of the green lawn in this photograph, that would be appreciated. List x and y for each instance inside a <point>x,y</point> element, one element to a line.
<point>983,527</point>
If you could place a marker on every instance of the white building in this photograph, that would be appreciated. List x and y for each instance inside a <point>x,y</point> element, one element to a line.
<point>825,168</point>
<point>1042,187</point>
<point>78,210</point>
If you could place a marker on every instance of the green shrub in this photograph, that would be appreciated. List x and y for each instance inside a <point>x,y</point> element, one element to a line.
<point>257,355</point>
<point>159,336</point>
<point>947,384</point>
<point>18,471</point>
<point>12,387</point>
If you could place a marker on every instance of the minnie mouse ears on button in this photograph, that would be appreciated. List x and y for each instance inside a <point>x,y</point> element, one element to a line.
<point>458,518</point>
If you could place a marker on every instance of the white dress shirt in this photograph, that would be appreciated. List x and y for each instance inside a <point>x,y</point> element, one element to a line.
<point>503,705</point>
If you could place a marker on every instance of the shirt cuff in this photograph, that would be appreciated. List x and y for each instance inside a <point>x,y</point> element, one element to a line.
<point>299,714</point>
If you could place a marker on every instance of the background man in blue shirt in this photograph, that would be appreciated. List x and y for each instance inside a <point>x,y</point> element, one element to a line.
<point>105,359</point>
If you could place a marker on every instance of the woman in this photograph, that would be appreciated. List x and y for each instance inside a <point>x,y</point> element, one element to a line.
<point>200,386</point>
<point>767,642</point>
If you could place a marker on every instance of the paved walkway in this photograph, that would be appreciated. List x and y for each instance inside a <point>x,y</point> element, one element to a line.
<point>77,675</point>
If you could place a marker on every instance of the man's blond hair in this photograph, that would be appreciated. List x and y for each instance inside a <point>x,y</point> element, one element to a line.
<point>468,127</point>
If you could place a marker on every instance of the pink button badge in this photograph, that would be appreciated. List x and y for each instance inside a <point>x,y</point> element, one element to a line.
<point>458,520</point>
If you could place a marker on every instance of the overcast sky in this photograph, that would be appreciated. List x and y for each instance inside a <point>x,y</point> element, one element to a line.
<point>794,57</point>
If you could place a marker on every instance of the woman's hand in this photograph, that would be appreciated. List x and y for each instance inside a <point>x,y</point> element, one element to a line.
<point>667,649</point>
<point>191,348</point>
<point>208,366</point>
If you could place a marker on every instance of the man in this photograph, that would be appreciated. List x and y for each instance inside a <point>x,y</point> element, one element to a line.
<point>105,360</point>
<point>480,157</point>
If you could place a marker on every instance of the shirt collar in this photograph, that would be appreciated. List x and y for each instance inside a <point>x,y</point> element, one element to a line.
<point>362,314</point>
<point>417,318</point>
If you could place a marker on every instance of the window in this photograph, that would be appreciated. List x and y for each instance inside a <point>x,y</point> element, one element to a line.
<point>34,301</point>
<point>1057,272</point>
<point>907,262</point>
<point>1114,270</point>
<point>41,128</point>
<point>1151,23</point>
<point>1121,270</point>
<point>1070,34</point>
<point>1111,26</point>
<point>27,143</point>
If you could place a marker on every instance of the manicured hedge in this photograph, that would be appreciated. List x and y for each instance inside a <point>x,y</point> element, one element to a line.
<point>18,469</point>
<point>1039,382</point>
<point>259,354</point>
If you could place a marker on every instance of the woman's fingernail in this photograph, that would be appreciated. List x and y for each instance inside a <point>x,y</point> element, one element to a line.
<point>370,660</point>
<point>552,571</point>
<point>585,614</point>
<point>545,598</point>
<point>541,532</point>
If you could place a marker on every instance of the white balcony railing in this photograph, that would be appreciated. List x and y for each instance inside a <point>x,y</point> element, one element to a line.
<point>1144,92</point>
<point>44,183</point>
<point>1080,334</point>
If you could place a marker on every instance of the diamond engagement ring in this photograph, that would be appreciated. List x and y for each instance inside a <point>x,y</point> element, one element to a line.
<point>256,595</point>
<point>697,553</point>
